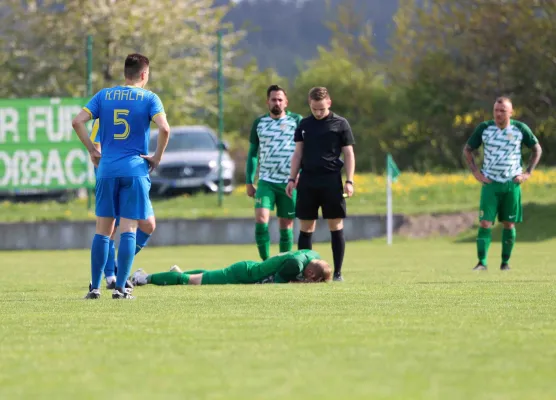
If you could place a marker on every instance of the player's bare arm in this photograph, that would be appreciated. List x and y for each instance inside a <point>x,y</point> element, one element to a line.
<point>469,155</point>
<point>536,152</point>
<point>162,141</point>
<point>349,160</point>
<point>78,125</point>
<point>250,168</point>
<point>251,190</point>
<point>295,166</point>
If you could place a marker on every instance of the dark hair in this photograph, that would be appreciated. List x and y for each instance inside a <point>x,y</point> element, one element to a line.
<point>134,65</point>
<point>274,88</point>
<point>319,93</point>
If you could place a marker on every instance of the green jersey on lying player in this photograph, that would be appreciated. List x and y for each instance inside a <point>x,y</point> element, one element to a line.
<point>293,266</point>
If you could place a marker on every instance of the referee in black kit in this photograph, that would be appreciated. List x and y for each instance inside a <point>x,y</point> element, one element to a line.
<point>320,140</point>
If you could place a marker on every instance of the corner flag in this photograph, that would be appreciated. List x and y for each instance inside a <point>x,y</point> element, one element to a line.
<point>392,172</point>
<point>392,168</point>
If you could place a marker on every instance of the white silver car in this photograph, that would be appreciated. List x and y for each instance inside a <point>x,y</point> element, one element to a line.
<point>190,162</point>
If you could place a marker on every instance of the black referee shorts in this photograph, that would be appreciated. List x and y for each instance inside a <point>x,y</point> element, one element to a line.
<point>325,193</point>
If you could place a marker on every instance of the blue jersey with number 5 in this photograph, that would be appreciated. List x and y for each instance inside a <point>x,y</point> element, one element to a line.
<point>125,114</point>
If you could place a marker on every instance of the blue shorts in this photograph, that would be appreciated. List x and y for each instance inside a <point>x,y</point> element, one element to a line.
<point>118,217</point>
<point>126,197</point>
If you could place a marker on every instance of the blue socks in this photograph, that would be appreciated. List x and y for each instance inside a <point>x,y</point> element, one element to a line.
<point>142,239</point>
<point>110,268</point>
<point>126,254</point>
<point>99,256</point>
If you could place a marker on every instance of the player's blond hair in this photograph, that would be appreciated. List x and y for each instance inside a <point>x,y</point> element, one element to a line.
<point>322,270</point>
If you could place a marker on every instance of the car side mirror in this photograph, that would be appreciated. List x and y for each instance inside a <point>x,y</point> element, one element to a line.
<point>224,145</point>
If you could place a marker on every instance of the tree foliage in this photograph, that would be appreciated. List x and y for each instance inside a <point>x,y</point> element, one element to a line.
<point>447,62</point>
<point>454,57</point>
<point>46,42</point>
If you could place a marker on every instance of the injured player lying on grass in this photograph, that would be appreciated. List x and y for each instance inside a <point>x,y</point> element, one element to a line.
<point>303,266</point>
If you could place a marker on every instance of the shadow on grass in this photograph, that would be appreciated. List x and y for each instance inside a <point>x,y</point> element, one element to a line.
<point>539,223</point>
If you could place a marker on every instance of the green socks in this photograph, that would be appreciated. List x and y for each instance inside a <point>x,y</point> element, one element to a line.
<point>286,240</point>
<point>483,243</point>
<point>217,277</point>
<point>508,240</point>
<point>484,238</point>
<point>262,237</point>
<point>168,278</point>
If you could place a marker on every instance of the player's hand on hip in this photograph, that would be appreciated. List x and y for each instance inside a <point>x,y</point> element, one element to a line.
<point>95,157</point>
<point>251,190</point>
<point>522,178</point>
<point>290,188</point>
<point>348,189</point>
<point>152,160</point>
<point>481,178</point>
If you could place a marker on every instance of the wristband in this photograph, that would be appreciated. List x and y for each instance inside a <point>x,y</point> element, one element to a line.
<point>350,182</point>
<point>291,180</point>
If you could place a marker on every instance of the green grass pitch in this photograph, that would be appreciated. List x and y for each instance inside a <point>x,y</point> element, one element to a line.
<point>411,322</point>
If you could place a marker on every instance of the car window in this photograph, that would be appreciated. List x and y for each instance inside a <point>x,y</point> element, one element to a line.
<point>193,140</point>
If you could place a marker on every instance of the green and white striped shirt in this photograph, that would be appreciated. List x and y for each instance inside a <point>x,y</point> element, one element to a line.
<point>502,148</point>
<point>276,145</point>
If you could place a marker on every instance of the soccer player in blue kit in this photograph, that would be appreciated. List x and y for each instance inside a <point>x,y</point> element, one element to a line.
<point>145,229</point>
<point>123,184</point>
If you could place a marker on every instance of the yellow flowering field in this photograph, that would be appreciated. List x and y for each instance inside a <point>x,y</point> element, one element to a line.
<point>412,194</point>
<point>408,182</point>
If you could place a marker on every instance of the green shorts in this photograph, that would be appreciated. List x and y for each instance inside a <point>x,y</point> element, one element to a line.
<point>274,194</point>
<point>502,199</point>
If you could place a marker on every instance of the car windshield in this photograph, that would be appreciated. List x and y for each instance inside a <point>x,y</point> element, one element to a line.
<point>187,140</point>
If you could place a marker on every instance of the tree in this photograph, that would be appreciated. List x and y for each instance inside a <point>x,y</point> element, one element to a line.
<point>46,42</point>
<point>455,57</point>
<point>349,67</point>
<point>358,94</point>
<point>351,32</point>
<point>245,100</point>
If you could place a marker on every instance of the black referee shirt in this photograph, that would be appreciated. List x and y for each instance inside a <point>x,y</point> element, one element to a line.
<point>322,143</point>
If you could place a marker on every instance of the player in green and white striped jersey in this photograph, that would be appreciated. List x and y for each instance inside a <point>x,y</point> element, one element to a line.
<point>272,145</point>
<point>501,176</point>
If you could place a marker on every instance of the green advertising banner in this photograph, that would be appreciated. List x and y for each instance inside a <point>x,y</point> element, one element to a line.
<point>38,147</point>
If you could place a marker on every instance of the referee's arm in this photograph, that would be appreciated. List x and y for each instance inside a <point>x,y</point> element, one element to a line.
<point>349,162</point>
<point>349,157</point>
